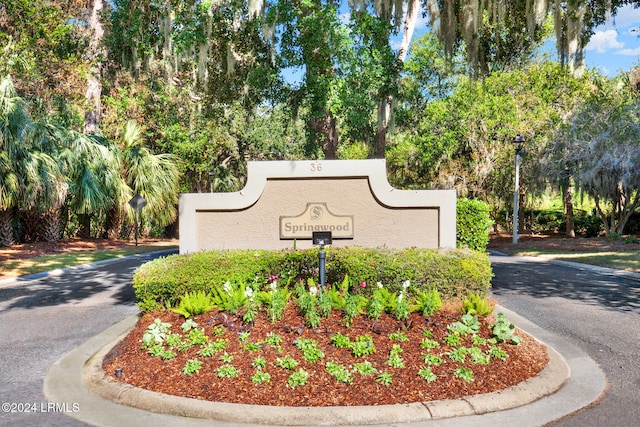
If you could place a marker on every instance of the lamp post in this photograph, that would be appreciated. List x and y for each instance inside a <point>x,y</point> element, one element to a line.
<point>518,141</point>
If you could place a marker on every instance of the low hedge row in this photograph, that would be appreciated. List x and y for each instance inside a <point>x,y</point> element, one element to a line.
<point>453,272</point>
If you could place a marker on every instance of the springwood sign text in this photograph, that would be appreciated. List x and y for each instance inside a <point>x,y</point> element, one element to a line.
<point>316,217</point>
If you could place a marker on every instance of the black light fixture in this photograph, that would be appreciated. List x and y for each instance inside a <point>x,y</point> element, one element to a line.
<point>518,141</point>
<point>321,238</point>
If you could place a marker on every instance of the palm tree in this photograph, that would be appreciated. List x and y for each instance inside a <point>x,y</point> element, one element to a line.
<point>90,164</point>
<point>154,176</point>
<point>31,180</point>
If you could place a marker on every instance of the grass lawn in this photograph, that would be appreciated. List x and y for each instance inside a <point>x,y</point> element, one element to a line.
<point>621,260</point>
<point>38,264</point>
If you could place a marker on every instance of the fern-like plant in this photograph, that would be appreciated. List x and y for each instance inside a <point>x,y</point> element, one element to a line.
<point>476,305</point>
<point>427,303</point>
<point>192,303</point>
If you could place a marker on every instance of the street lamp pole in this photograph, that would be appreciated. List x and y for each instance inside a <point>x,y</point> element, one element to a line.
<point>518,141</point>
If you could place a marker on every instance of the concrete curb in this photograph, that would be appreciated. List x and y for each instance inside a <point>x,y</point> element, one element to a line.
<point>570,382</point>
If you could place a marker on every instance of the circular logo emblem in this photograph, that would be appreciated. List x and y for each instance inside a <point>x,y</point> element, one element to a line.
<point>316,212</point>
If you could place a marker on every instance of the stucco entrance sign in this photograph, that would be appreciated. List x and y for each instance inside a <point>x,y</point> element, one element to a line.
<point>285,201</point>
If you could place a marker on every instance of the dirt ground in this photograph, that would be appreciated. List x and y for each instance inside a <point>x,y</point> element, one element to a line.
<point>559,243</point>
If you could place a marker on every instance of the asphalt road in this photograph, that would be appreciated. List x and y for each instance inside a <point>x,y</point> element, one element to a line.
<point>43,319</point>
<point>595,309</point>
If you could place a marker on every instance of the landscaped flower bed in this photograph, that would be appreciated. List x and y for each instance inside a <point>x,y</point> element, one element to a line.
<point>324,349</point>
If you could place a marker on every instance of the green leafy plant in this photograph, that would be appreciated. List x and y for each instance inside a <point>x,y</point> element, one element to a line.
<point>427,374</point>
<point>452,338</point>
<point>341,373</point>
<point>340,340</point>
<point>382,300</point>
<point>473,219</point>
<point>307,301</point>
<point>211,348</point>
<point>478,356</point>
<point>503,330</point>
<point>298,378</point>
<point>476,305</point>
<point>231,297</point>
<point>428,343</point>
<point>226,357</point>
<point>401,308</point>
<point>363,345</point>
<point>188,324</point>
<point>310,350</point>
<point>193,303</point>
<point>156,332</point>
<point>458,354</point>
<point>244,336</point>
<point>427,302</point>
<point>286,362</point>
<point>261,377</point>
<point>275,299</point>
<point>465,374</point>
<point>168,354</point>
<point>432,359</point>
<point>173,340</point>
<point>498,353</point>
<point>364,368</point>
<point>197,337</point>
<point>259,362</point>
<point>192,366</point>
<point>398,336</point>
<point>227,371</point>
<point>273,339</point>
<point>395,360</point>
<point>385,378</point>
<point>352,307</point>
<point>251,346</point>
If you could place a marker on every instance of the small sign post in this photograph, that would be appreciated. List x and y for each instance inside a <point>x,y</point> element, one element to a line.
<point>322,238</point>
<point>137,202</point>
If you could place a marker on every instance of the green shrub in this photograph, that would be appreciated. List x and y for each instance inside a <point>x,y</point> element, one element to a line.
<point>473,221</point>
<point>452,272</point>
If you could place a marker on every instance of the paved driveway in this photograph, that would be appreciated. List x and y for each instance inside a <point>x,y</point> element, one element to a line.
<point>598,310</point>
<point>41,320</point>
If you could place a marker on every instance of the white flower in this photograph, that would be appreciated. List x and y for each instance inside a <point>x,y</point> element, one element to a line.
<point>248,293</point>
<point>400,295</point>
<point>406,284</point>
<point>379,285</point>
<point>227,287</point>
<point>273,285</point>
<point>313,291</point>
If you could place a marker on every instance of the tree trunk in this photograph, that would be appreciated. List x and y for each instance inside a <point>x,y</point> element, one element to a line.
<point>51,225</point>
<point>113,226</point>
<point>84,232</point>
<point>6,231</point>
<point>327,128</point>
<point>94,87</point>
<point>385,110</point>
<point>567,198</point>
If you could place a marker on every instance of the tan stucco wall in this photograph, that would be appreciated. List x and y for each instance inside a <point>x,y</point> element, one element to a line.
<point>382,215</point>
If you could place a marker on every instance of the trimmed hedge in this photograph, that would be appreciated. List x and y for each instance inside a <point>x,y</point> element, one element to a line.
<point>452,272</point>
<point>473,220</point>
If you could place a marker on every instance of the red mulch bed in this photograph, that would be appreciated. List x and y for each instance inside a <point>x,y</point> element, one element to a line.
<point>140,369</point>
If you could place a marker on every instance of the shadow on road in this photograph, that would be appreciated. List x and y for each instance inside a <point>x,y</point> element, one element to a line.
<point>542,279</point>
